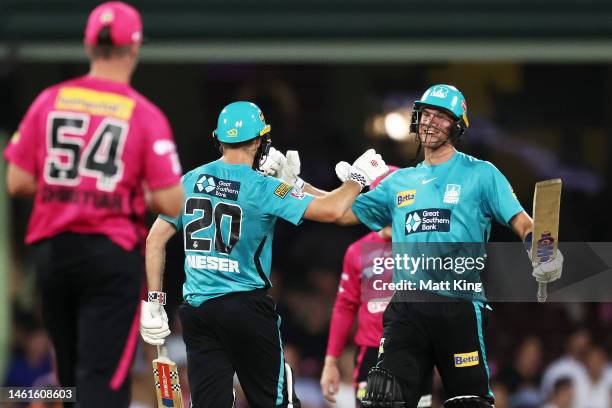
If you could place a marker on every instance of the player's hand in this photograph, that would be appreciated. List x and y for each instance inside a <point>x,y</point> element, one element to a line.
<point>330,380</point>
<point>549,271</point>
<point>342,170</point>
<point>367,168</point>
<point>290,172</point>
<point>275,161</point>
<point>153,323</point>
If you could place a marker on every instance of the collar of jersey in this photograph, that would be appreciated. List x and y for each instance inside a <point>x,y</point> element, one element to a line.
<point>446,163</point>
<point>221,162</point>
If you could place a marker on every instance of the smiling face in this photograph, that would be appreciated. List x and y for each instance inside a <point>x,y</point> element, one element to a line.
<point>434,126</point>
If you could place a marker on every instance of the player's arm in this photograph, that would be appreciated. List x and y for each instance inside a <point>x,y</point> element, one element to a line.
<point>168,200</point>
<point>521,224</point>
<point>348,218</point>
<point>332,206</point>
<point>19,182</point>
<point>153,319</point>
<point>155,255</point>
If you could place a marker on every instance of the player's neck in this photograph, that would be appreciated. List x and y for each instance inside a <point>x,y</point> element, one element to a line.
<point>110,71</point>
<point>237,156</point>
<point>440,155</point>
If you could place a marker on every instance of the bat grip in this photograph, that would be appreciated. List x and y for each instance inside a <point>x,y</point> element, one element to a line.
<point>161,351</point>
<point>542,295</point>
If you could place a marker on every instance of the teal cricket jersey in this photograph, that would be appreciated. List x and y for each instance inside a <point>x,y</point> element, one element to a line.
<point>451,203</point>
<point>228,221</point>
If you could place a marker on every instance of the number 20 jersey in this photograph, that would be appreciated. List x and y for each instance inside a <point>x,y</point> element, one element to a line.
<point>228,224</point>
<point>91,144</point>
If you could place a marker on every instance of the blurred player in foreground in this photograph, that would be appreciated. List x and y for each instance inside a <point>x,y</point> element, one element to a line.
<point>85,150</point>
<point>230,324</point>
<point>450,197</point>
<point>352,301</point>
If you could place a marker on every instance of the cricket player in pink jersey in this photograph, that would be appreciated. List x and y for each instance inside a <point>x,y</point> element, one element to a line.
<point>352,301</point>
<point>87,150</point>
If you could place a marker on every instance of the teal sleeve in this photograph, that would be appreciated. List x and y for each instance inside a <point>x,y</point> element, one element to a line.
<point>174,221</point>
<point>372,208</point>
<point>281,200</point>
<point>498,198</point>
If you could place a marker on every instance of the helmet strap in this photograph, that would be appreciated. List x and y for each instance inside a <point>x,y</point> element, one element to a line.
<point>262,151</point>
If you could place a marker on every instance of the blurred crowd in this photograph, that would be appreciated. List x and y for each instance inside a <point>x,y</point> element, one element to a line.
<point>531,365</point>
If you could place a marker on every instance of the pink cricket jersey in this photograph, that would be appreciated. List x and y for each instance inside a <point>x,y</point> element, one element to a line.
<point>93,146</point>
<point>353,298</point>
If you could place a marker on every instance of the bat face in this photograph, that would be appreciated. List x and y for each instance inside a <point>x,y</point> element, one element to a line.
<point>167,385</point>
<point>546,204</point>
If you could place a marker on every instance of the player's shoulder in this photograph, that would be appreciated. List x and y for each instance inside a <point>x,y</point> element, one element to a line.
<point>479,165</point>
<point>145,105</point>
<point>399,176</point>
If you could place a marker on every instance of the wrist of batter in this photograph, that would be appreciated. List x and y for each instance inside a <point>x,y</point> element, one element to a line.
<point>331,360</point>
<point>157,297</point>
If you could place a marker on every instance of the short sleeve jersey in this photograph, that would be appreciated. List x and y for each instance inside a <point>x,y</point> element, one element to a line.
<point>228,225</point>
<point>454,202</point>
<point>93,146</point>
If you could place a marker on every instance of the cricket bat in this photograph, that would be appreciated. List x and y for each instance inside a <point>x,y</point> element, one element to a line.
<point>546,206</point>
<point>166,377</point>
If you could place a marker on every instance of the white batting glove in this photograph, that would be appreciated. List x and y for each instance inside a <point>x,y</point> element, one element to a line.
<point>549,271</point>
<point>153,323</point>
<point>342,170</point>
<point>290,172</point>
<point>367,168</point>
<point>275,161</point>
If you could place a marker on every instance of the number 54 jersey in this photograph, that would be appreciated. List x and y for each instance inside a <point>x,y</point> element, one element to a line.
<point>91,144</point>
<point>228,225</point>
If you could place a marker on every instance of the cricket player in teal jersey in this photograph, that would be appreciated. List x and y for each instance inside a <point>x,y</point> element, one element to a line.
<point>230,325</point>
<point>450,197</point>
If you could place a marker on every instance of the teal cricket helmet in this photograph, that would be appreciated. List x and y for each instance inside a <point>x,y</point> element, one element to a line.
<point>239,122</point>
<point>446,97</point>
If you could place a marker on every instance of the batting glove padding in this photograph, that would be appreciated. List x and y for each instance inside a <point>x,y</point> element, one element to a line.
<point>274,163</point>
<point>342,170</point>
<point>549,271</point>
<point>367,168</point>
<point>153,323</point>
<point>290,172</point>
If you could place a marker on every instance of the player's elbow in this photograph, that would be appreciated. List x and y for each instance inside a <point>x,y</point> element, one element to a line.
<point>331,214</point>
<point>19,183</point>
<point>318,211</point>
<point>17,188</point>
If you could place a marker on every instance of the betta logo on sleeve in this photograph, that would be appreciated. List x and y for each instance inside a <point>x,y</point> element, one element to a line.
<point>466,359</point>
<point>405,198</point>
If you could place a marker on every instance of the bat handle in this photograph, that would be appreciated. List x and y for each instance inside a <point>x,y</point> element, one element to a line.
<point>542,295</point>
<point>161,351</point>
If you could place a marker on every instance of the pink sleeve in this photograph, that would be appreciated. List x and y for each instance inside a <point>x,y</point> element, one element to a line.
<point>347,303</point>
<point>21,150</point>
<point>162,167</point>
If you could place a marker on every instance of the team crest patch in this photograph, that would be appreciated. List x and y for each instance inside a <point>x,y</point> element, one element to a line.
<point>232,132</point>
<point>405,198</point>
<point>283,189</point>
<point>466,359</point>
<point>452,193</point>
